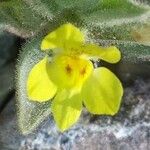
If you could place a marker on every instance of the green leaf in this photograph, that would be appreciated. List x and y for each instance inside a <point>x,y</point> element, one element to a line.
<point>134,52</point>
<point>118,20</point>
<point>137,31</point>
<point>45,8</point>
<point>79,5</point>
<point>107,17</point>
<point>129,20</point>
<point>16,16</point>
<point>109,11</point>
<point>30,114</point>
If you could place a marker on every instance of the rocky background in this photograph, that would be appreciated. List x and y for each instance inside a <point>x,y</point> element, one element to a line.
<point>128,130</point>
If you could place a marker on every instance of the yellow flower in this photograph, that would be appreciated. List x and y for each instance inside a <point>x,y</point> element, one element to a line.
<point>70,78</point>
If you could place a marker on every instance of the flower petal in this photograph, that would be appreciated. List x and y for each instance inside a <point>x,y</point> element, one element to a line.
<point>102,92</point>
<point>39,86</point>
<point>61,37</point>
<point>66,109</point>
<point>110,54</point>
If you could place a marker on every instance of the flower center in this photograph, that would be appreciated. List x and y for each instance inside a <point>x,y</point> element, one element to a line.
<point>69,71</point>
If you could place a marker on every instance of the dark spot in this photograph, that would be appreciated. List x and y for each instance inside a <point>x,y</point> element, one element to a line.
<point>64,139</point>
<point>68,69</point>
<point>83,71</point>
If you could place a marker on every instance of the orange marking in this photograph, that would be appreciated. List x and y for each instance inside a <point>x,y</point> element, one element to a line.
<point>83,71</point>
<point>68,69</point>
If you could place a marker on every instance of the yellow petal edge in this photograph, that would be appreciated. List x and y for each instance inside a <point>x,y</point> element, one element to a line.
<point>62,36</point>
<point>39,86</point>
<point>66,109</point>
<point>102,93</point>
<point>110,54</point>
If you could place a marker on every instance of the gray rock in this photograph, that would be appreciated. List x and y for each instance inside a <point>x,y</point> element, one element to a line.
<point>128,130</point>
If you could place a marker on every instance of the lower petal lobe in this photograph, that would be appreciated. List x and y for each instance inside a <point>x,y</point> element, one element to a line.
<point>39,85</point>
<point>102,92</point>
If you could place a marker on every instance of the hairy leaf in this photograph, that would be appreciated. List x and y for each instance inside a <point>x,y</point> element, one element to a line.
<point>30,114</point>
